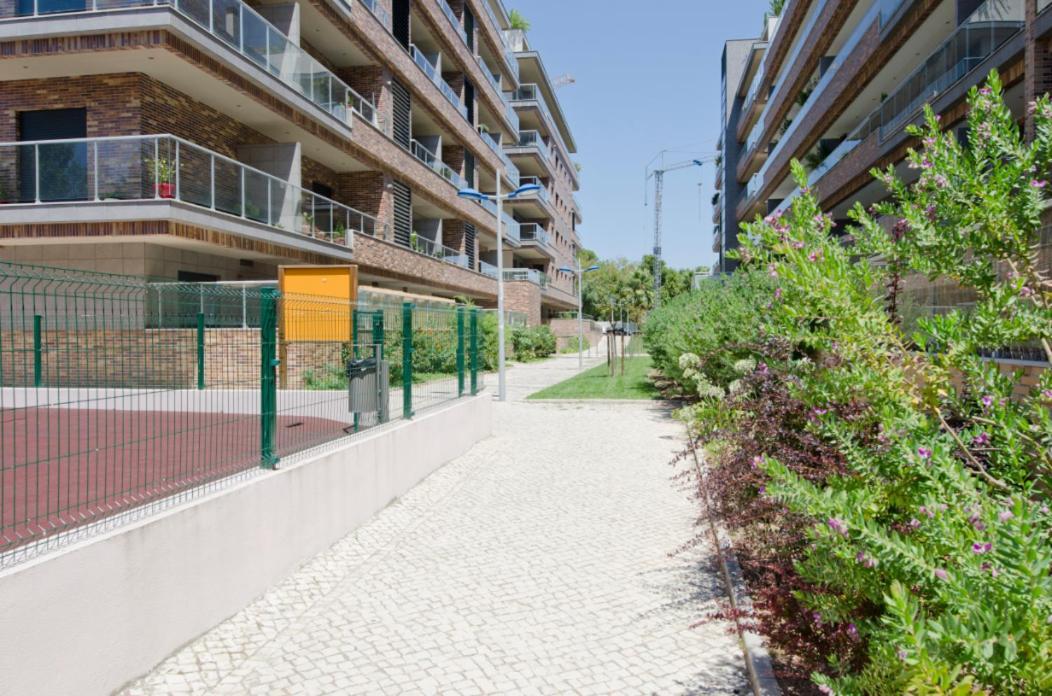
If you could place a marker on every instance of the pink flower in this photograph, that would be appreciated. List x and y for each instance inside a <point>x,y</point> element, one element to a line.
<point>902,654</point>
<point>942,574</point>
<point>777,293</point>
<point>981,440</point>
<point>823,689</point>
<point>979,548</point>
<point>924,453</point>
<point>837,526</point>
<point>985,91</point>
<point>757,461</point>
<point>813,256</point>
<point>1025,291</point>
<point>865,560</point>
<point>1005,515</point>
<point>989,568</point>
<point>816,617</point>
<point>1046,394</point>
<point>988,401</point>
<point>852,631</point>
<point>1038,183</point>
<point>925,511</point>
<point>820,411</point>
<point>914,523</point>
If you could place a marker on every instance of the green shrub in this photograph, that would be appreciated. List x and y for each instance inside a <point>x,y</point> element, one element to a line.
<point>532,343</point>
<point>719,323</point>
<point>915,487</point>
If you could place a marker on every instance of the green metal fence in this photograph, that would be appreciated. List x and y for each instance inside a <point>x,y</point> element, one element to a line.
<point>116,392</point>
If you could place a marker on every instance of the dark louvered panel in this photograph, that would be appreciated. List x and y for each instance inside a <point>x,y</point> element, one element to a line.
<point>469,243</point>
<point>400,21</point>
<point>469,99</point>
<point>403,213</point>
<point>401,105</point>
<point>469,167</point>
<point>469,28</point>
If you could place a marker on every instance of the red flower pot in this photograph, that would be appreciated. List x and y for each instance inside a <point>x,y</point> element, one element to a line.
<point>165,190</point>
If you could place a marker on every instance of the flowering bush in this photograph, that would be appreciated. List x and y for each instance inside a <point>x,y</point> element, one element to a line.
<point>907,485</point>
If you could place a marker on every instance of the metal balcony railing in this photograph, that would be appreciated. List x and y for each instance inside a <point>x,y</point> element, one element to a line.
<point>88,171</point>
<point>244,30</point>
<point>530,275</point>
<point>488,269</point>
<point>431,160</point>
<point>512,229</point>
<point>432,74</point>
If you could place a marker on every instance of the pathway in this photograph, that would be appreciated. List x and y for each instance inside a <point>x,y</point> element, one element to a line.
<point>538,563</point>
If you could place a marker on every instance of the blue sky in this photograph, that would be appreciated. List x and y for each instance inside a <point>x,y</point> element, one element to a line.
<point>648,79</point>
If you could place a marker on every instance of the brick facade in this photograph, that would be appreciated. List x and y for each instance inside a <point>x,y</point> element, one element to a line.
<point>523,296</point>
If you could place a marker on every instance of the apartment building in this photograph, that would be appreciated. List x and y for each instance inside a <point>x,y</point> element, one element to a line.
<point>214,140</point>
<point>834,83</point>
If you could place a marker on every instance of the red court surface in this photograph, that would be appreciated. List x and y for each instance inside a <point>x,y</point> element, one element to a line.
<point>60,468</point>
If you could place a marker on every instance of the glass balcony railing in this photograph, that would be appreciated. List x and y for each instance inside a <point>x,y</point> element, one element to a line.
<point>508,54</point>
<point>431,160</point>
<point>432,74</point>
<point>429,247</point>
<point>379,12</point>
<point>454,20</point>
<point>754,134</point>
<point>531,275</point>
<point>887,9</point>
<point>242,29</point>
<point>488,269</point>
<point>803,40</point>
<point>512,229</point>
<point>532,232</point>
<point>163,167</point>
<point>532,138</point>
<point>975,40</point>
<point>512,170</point>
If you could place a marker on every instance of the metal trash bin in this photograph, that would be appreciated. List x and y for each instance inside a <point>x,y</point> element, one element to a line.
<point>368,388</point>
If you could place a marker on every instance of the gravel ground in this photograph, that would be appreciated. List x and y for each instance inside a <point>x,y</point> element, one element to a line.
<point>541,562</point>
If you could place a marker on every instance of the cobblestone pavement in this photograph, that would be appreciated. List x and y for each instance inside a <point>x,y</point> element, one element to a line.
<point>541,562</point>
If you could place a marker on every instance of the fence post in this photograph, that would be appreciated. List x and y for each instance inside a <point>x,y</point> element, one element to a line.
<point>37,351</point>
<point>268,380</point>
<point>200,350</point>
<point>407,359</point>
<point>460,351</point>
<point>474,351</point>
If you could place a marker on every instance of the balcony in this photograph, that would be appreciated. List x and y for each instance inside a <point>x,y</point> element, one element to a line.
<point>431,248</point>
<point>532,233</point>
<point>506,52</point>
<point>975,40</point>
<point>455,21</point>
<point>379,12</point>
<point>488,269</point>
<point>81,173</point>
<point>529,275</point>
<point>512,170</point>
<point>433,74</point>
<point>512,229</point>
<point>533,139</point>
<point>438,166</point>
<point>242,29</point>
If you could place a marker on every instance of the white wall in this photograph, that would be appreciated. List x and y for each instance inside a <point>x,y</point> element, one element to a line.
<point>89,618</point>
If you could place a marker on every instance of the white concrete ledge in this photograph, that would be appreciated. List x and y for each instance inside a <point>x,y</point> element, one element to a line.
<point>91,617</point>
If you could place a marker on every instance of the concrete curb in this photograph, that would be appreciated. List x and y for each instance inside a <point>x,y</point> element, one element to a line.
<point>757,659</point>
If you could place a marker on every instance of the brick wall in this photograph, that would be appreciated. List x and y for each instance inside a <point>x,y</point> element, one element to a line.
<point>1038,64</point>
<point>369,192</point>
<point>523,296</point>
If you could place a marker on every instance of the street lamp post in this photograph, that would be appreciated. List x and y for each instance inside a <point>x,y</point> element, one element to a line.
<point>475,195</point>
<point>579,273</point>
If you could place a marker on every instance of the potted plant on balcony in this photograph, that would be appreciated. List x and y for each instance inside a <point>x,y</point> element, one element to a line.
<point>339,232</point>
<point>161,171</point>
<point>308,223</point>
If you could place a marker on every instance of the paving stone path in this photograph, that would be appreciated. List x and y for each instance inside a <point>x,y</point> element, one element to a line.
<point>541,562</point>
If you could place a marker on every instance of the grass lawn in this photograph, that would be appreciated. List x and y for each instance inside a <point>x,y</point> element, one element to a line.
<point>597,384</point>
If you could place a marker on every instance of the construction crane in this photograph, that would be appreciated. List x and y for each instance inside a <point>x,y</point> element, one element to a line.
<point>658,174</point>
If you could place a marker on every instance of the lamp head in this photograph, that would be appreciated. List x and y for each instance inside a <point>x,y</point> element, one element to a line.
<point>524,190</point>
<point>565,269</point>
<point>593,267</point>
<point>472,194</point>
<point>698,162</point>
